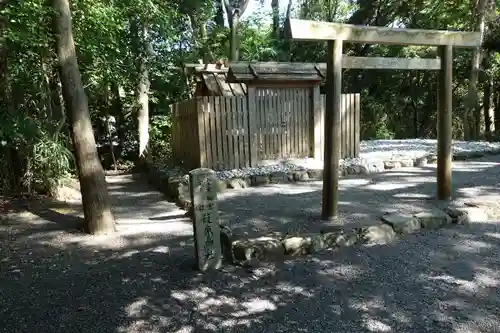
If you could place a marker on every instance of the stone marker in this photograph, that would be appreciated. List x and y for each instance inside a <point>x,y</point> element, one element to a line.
<point>205,218</point>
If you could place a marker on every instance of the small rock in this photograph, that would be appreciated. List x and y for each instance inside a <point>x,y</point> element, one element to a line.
<point>357,169</point>
<point>315,174</point>
<point>378,234</point>
<point>421,161</point>
<point>348,239</point>
<point>431,159</point>
<point>278,177</point>
<point>226,240</point>
<point>236,183</point>
<point>407,163</point>
<point>388,165</point>
<point>220,186</point>
<point>402,223</point>
<point>463,215</point>
<point>342,171</point>
<point>330,239</point>
<point>259,180</point>
<point>339,238</point>
<point>300,176</point>
<point>258,249</point>
<point>297,245</point>
<point>433,219</point>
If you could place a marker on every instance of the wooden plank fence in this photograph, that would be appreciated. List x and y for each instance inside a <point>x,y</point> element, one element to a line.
<point>218,132</point>
<point>350,126</point>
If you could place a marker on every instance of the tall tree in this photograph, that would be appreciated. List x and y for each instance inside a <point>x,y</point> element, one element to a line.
<point>471,131</point>
<point>143,90</point>
<point>234,10</point>
<point>275,5</point>
<point>95,197</point>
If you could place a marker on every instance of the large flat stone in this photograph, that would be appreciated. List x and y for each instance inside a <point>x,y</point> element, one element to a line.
<point>338,238</point>
<point>304,244</point>
<point>463,215</point>
<point>433,219</point>
<point>258,249</point>
<point>237,183</point>
<point>377,235</point>
<point>259,180</point>
<point>391,164</point>
<point>402,223</point>
<point>297,245</point>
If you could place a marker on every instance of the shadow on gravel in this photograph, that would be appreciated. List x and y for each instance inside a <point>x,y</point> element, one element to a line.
<point>443,281</point>
<point>290,208</point>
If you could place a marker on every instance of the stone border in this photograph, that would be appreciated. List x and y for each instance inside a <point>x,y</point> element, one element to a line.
<point>391,227</point>
<point>175,185</point>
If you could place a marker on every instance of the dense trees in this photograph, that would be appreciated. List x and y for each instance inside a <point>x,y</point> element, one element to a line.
<point>129,54</point>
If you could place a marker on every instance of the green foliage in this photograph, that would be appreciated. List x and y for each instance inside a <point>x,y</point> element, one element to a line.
<point>109,43</point>
<point>52,161</point>
<point>159,135</point>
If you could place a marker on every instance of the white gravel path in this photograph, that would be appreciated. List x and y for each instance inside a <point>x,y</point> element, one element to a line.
<point>371,152</point>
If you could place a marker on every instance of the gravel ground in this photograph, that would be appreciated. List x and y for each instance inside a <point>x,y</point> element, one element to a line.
<point>57,280</point>
<point>288,208</point>
<point>371,152</point>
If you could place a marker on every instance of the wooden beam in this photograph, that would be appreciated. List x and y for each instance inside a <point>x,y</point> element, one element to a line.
<point>287,68</point>
<point>444,125</point>
<point>314,31</point>
<point>390,63</point>
<point>332,131</point>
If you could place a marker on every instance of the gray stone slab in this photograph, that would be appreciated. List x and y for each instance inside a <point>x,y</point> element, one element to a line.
<point>402,223</point>
<point>463,215</point>
<point>378,235</point>
<point>433,219</point>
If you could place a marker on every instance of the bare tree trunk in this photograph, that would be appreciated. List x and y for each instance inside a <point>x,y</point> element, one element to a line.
<point>487,106</point>
<point>233,16</point>
<point>119,115</point>
<point>219,14</point>
<point>143,93</point>
<point>234,41</point>
<point>471,130</point>
<point>95,197</point>
<point>275,5</point>
<point>496,101</point>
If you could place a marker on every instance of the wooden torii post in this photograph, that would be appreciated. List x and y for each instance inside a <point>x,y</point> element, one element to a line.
<point>336,34</point>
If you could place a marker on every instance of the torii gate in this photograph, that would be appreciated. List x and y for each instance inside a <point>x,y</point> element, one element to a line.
<point>336,34</point>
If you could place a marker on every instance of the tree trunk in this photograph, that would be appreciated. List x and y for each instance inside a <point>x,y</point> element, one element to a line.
<point>219,14</point>
<point>143,94</point>
<point>275,5</point>
<point>234,41</point>
<point>119,115</point>
<point>487,107</point>
<point>6,92</point>
<point>496,100</point>
<point>95,197</point>
<point>233,16</point>
<point>472,113</point>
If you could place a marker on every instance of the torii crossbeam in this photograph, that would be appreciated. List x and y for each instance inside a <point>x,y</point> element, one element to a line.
<point>336,34</point>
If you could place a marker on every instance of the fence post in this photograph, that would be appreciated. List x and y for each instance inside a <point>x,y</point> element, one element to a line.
<point>205,219</point>
<point>315,128</point>
<point>252,126</point>
<point>200,121</point>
